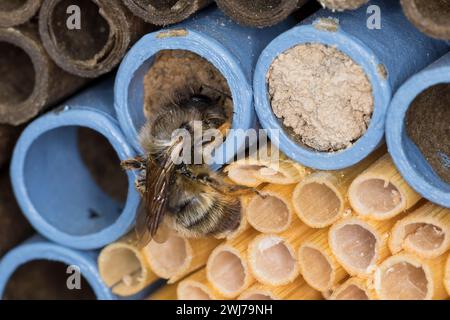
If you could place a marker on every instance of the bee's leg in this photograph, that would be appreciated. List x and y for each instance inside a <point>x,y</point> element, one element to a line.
<point>137,163</point>
<point>140,184</point>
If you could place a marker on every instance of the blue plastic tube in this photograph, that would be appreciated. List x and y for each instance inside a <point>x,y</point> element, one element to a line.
<point>388,56</point>
<point>407,157</point>
<point>231,48</point>
<point>55,189</point>
<point>37,248</point>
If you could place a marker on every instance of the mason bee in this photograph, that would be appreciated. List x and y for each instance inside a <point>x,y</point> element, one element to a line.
<point>186,197</point>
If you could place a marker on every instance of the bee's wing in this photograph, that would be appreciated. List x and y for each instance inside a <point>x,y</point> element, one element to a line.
<point>141,227</point>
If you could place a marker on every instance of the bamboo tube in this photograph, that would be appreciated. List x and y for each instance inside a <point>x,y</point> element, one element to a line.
<point>196,287</point>
<point>165,12</point>
<point>178,256</point>
<point>407,277</point>
<point>259,13</point>
<point>296,290</point>
<point>320,199</point>
<point>273,259</point>
<point>447,275</point>
<point>8,137</point>
<point>318,266</point>
<point>123,267</point>
<point>359,245</point>
<point>167,292</point>
<point>354,289</point>
<point>343,4</point>
<point>380,192</point>
<point>271,210</point>
<point>13,13</point>
<point>30,80</point>
<point>227,267</point>
<point>424,232</point>
<point>14,228</point>
<point>430,17</point>
<point>107,30</point>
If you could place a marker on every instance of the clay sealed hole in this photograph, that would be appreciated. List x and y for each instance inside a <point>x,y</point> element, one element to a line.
<point>317,202</point>
<point>436,11</point>
<point>11,5</point>
<point>424,236</point>
<point>355,245</point>
<point>352,292</point>
<point>169,257</point>
<point>273,260</point>
<point>44,280</point>
<point>17,72</point>
<point>227,271</point>
<point>193,291</point>
<point>377,196</point>
<point>427,125</point>
<point>84,44</point>
<point>316,267</point>
<point>121,268</point>
<point>321,96</point>
<point>268,213</point>
<point>403,281</point>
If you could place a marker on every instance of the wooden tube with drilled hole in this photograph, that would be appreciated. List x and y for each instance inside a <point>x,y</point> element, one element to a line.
<point>165,12</point>
<point>167,292</point>
<point>273,257</point>
<point>380,192</point>
<point>318,266</point>
<point>343,4</point>
<point>259,13</point>
<point>320,199</point>
<point>30,81</point>
<point>123,267</point>
<point>429,16</point>
<point>14,13</point>
<point>354,289</point>
<point>407,277</point>
<point>296,290</point>
<point>359,245</point>
<point>178,256</point>
<point>227,267</point>
<point>266,165</point>
<point>197,287</point>
<point>271,210</point>
<point>424,232</point>
<point>97,46</point>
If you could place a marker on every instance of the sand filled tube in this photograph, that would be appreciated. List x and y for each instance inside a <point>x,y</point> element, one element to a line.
<point>15,12</point>
<point>223,44</point>
<point>431,17</point>
<point>380,192</point>
<point>165,12</point>
<point>97,43</point>
<point>259,13</point>
<point>424,232</point>
<point>406,277</point>
<point>46,264</point>
<point>343,62</point>
<point>91,201</point>
<point>417,124</point>
<point>354,289</point>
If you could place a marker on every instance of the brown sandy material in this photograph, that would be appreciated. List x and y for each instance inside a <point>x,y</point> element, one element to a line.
<point>30,80</point>
<point>14,227</point>
<point>343,4</point>
<point>167,292</point>
<point>103,163</point>
<point>321,95</point>
<point>259,13</point>
<point>175,71</point>
<point>123,267</point>
<point>427,124</point>
<point>296,290</point>
<point>108,29</point>
<point>164,12</point>
<point>406,277</point>
<point>196,287</point>
<point>178,257</point>
<point>430,16</point>
<point>44,280</point>
<point>8,137</point>
<point>354,289</point>
<point>424,232</point>
<point>15,12</point>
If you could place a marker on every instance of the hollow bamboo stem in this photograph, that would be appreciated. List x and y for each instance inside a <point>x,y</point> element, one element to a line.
<point>197,287</point>
<point>354,289</point>
<point>13,13</point>
<point>296,290</point>
<point>167,292</point>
